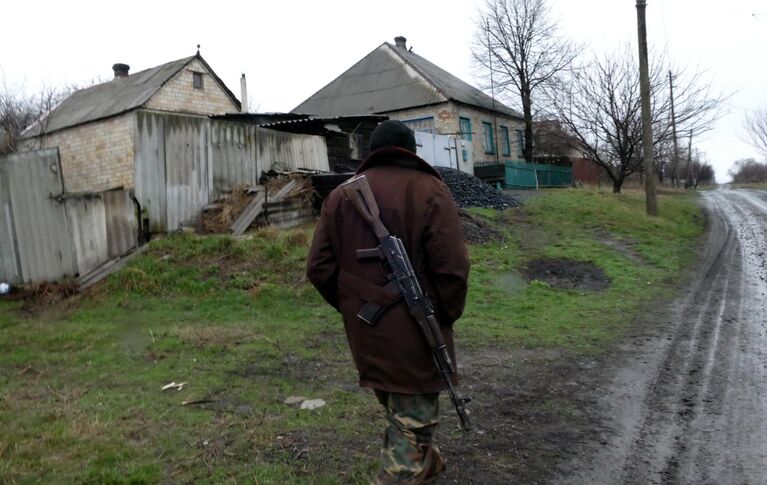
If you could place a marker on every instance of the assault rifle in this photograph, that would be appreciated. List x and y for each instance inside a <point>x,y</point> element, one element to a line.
<point>402,279</point>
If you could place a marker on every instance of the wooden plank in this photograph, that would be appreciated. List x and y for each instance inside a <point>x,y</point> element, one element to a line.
<point>283,192</point>
<point>107,269</point>
<point>250,213</point>
<point>256,207</point>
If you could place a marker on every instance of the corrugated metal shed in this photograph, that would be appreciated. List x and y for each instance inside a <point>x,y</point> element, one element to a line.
<point>183,162</point>
<point>114,97</point>
<point>390,79</point>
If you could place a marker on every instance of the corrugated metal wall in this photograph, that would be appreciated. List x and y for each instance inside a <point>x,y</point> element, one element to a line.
<point>121,222</point>
<point>187,186</point>
<point>36,227</point>
<point>10,270</point>
<point>184,162</point>
<point>234,154</point>
<point>290,151</point>
<point>149,149</point>
<point>45,234</point>
<point>87,217</point>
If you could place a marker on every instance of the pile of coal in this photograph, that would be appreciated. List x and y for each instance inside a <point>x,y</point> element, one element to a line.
<point>470,191</point>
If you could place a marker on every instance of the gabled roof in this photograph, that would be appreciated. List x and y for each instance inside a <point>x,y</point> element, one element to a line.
<point>390,79</point>
<point>115,97</point>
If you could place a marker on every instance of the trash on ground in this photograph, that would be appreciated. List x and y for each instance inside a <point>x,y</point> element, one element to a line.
<point>312,404</point>
<point>174,385</point>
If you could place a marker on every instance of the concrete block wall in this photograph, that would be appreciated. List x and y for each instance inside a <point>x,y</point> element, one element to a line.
<point>95,156</point>
<point>179,94</point>
<point>446,121</point>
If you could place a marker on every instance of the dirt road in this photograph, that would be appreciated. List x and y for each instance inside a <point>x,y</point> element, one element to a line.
<point>690,406</point>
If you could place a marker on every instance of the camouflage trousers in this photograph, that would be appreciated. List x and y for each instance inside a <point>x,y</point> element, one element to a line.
<point>408,456</point>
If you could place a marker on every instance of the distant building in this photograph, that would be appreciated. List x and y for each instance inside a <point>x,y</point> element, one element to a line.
<point>394,81</point>
<point>95,128</point>
<point>554,146</point>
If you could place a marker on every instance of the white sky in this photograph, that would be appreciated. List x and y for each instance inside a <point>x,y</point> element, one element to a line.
<point>290,49</point>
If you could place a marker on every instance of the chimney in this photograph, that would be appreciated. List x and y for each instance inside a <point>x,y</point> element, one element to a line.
<point>243,94</point>
<point>401,42</point>
<point>121,70</point>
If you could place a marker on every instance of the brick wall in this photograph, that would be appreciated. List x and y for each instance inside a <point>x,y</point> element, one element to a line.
<point>180,95</point>
<point>446,121</point>
<point>95,156</point>
<point>477,117</point>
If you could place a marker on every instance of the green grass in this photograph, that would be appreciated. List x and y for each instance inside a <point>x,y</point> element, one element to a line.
<point>762,186</point>
<point>642,256</point>
<point>80,397</point>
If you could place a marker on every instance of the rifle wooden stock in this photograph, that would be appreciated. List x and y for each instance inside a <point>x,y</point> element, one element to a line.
<point>357,191</point>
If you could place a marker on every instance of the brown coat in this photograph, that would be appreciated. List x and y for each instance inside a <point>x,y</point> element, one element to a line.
<point>417,207</point>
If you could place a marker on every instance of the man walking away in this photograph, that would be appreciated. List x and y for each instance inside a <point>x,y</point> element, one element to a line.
<point>391,355</point>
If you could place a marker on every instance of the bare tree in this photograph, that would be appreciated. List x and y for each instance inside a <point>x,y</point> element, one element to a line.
<point>756,125</point>
<point>748,171</point>
<point>19,110</point>
<point>518,44</point>
<point>696,171</point>
<point>599,105</point>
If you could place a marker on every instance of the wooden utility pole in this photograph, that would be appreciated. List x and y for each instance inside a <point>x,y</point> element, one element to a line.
<point>689,163</point>
<point>675,156</point>
<point>644,85</point>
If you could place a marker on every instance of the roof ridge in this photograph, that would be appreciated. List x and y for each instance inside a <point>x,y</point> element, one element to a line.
<point>436,85</point>
<point>417,69</point>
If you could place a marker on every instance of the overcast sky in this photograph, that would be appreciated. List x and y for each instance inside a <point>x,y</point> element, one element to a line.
<point>290,49</point>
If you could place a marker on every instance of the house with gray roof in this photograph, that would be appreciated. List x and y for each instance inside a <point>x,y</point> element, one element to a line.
<point>395,81</point>
<point>95,128</point>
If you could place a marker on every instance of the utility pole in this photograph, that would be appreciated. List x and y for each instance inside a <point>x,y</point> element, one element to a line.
<point>675,156</point>
<point>644,85</point>
<point>689,159</point>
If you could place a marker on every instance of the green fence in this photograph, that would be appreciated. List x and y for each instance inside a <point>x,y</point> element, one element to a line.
<point>523,175</point>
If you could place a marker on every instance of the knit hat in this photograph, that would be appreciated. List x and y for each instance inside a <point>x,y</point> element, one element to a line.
<point>392,133</point>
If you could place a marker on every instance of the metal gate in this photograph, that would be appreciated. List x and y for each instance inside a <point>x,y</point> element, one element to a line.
<point>35,237</point>
<point>445,151</point>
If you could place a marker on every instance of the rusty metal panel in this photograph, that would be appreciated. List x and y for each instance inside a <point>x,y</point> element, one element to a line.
<point>149,150</point>
<point>186,169</point>
<point>87,219</point>
<point>121,222</point>
<point>43,241</point>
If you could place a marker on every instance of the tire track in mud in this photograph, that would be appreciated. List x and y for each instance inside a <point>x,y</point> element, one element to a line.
<point>690,406</point>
